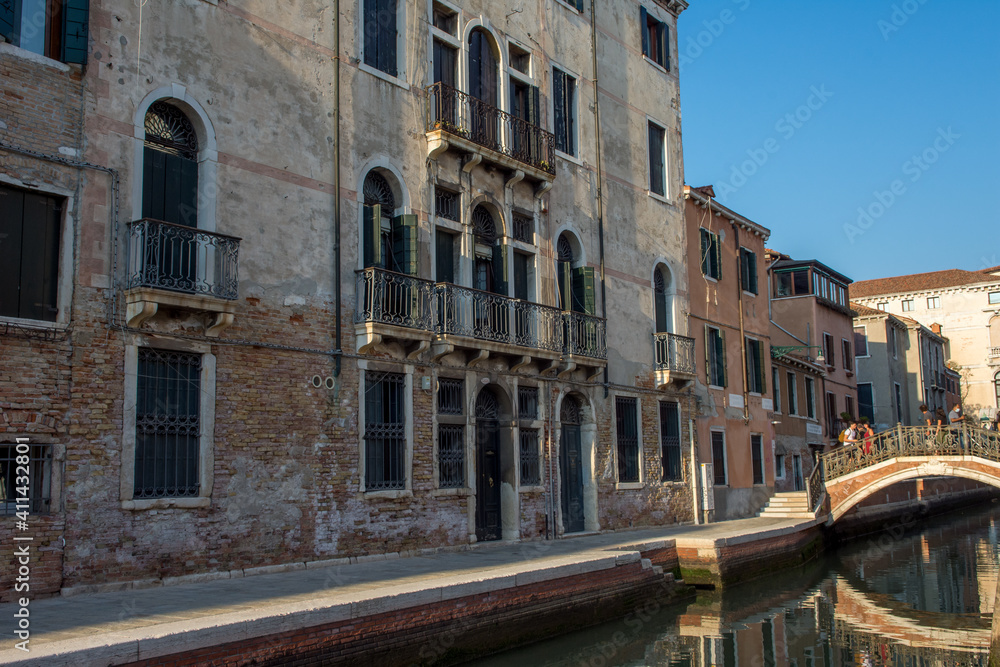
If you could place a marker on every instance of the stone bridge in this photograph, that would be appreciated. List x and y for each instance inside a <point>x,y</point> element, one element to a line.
<point>848,475</point>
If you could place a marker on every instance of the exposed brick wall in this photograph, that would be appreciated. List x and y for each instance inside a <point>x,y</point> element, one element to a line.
<point>452,631</point>
<point>44,551</point>
<point>40,105</point>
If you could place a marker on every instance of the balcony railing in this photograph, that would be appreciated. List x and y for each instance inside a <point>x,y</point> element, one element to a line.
<point>394,298</point>
<point>470,118</point>
<point>400,300</point>
<point>994,353</point>
<point>182,259</point>
<point>674,353</point>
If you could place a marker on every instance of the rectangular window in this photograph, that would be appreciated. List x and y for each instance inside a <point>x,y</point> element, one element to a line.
<point>520,59</point>
<point>384,431</point>
<point>628,439</point>
<point>527,402</point>
<point>748,270</point>
<point>933,302</point>
<point>657,160</point>
<point>866,401</point>
<point>655,41</point>
<point>451,396</point>
<point>829,349</point>
<point>167,424</point>
<point>777,389</point>
<point>564,111</point>
<point>531,469</point>
<point>719,457</point>
<point>779,466</point>
<point>445,19</point>
<point>451,456</point>
<point>994,297</point>
<point>444,256</point>
<point>831,414</point>
<point>33,461</point>
<point>445,67</point>
<point>792,283</point>
<point>860,342</point>
<point>810,398</point>
<point>757,458</point>
<point>524,228</point>
<point>849,407</point>
<point>670,440</point>
<point>755,366</point>
<point>711,255</point>
<point>29,254</point>
<point>793,408</point>
<point>891,338</point>
<point>883,306</point>
<point>57,29</point>
<point>715,356</point>
<point>899,402</point>
<point>907,305</point>
<point>446,204</point>
<point>848,357</point>
<point>380,35</point>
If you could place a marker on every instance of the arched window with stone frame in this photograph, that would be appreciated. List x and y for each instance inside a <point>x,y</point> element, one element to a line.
<point>389,239</point>
<point>575,280</point>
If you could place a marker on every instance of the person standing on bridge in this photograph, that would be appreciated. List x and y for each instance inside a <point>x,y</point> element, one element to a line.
<point>941,420</point>
<point>955,421</point>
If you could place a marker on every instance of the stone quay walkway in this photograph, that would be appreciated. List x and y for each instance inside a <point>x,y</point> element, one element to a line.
<point>139,624</point>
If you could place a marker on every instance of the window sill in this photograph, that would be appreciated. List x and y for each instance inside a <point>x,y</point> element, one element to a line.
<point>444,493</point>
<point>394,80</point>
<point>569,158</point>
<point>36,325</point>
<point>166,503</point>
<point>655,64</point>
<point>629,486</point>
<point>24,54</point>
<point>658,197</point>
<point>749,293</point>
<point>570,7</point>
<point>708,277</point>
<point>394,493</point>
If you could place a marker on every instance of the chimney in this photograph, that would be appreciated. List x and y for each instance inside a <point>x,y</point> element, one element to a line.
<point>936,328</point>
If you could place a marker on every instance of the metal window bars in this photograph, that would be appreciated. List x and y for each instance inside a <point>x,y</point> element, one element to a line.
<point>37,459</point>
<point>385,431</point>
<point>451,456</point>
<point>531,469</point>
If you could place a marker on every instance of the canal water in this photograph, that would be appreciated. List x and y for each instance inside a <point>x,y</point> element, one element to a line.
<point>909,596</point>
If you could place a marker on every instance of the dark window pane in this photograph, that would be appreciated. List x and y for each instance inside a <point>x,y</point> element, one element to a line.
<point>531,469</point>
<point>527,402</point>
<point>719,458</point>
<point>628,439</point>
<point>451,456</point>
<point>670,440</point>
<point>384,431</point>
<point>450,396</point>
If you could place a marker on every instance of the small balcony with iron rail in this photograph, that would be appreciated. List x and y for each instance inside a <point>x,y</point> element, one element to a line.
<point>674,360</point>
<point>171,266</point>
<point>418,314</point>
<point>460,122</point>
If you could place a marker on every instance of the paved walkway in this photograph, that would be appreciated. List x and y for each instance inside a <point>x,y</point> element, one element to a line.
<point>111,628</point>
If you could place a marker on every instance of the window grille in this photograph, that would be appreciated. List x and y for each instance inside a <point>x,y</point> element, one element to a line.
<point>378,192</point>
<point>570,412</point>
<point>487,406</point>
<point>523,228</point>
<point>14,459</point>
<point>450,392</point>
<point>169,130</point>
<point>451,456</point>
<point>564,251</point>
<point>483,226</point>
<point>446,204</point>
<point>530,464</point>
<point>628,440</point>
<point>670,440</point>
<point>527,402</point>
<point>167,424</point>
<point>385,431</point>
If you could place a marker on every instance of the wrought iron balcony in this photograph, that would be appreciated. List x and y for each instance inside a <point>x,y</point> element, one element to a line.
<point>162,255</point>
<point>180,267</point>
<point>674,359</point>
<point>469,121</point>
<point>486,316</point>
<point>586,335</point>
<point>394,298</point>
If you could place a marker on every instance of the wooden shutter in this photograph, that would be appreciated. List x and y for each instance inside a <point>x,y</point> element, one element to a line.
<point>761,367</point>
<point>721,340</point>
<point>40,258</point>
<point>520,276</point>
<point>169,188</point>
<point>152,183</point>
<point>665,41</point>
<point>559,108</point>
<point>717,253</point>
<point>11,222</point>
<point>7,20</point>
<point>656,181</point>
<point>570,91</point>
<point>75,31</point>
<point>371,29</point>
<point>387,36</point>
<point>660,310</point>
<point>501,277</point>
<point>704,252</point>
<point>644,29</point>
<point>584,296</point>
<point>445,259</point>
<point>404,243</point>
<point>565,277</point>
<point>709,346</point>
<point>371,232</point>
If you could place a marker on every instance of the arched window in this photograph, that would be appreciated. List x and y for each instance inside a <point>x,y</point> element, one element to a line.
<point>389,240</point>
<point>569,413</point>
<point>490,270</point>
<point>483,79</point>
<point>661,300</point>
<point>576,283</point>
<point>170,166</point>
<point>996,387</point>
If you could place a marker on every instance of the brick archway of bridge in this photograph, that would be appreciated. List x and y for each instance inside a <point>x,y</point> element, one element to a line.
<point>848,490</point>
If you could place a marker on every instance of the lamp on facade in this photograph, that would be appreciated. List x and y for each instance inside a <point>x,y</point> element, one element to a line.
<point>777,352</point>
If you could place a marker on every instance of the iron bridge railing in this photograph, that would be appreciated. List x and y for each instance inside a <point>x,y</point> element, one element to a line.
<point>674,353</point>
<point>401,300</point>
<point>183,259</point>
<point>465,116</point>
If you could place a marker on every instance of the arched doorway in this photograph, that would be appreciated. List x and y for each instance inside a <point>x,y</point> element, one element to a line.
<point>661,300</point>
<point>489,275</point>
<point>483,80</point>
<point>488,472</point>
<point>571,466</point>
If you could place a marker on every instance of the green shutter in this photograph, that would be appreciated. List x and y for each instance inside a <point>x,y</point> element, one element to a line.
<point>717,251</point>
<point>584,297</point>
<point>75,30</point>
<point>704,252</point>
<point>445,259</point>
<point>565,278</point>
<point>371,233</point>
<point>7,20</point>
<point>404,243</point>
<point>501,277</point>
<point>11,227</point>
<point>761,367</point>
<point>722,357</point>
<point>709,346</point>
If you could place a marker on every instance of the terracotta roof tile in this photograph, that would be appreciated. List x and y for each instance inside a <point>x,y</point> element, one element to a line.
<point>918,282</point>
<point>865,311</point>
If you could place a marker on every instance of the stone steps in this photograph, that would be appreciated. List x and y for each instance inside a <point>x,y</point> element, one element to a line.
<point>790,505</point>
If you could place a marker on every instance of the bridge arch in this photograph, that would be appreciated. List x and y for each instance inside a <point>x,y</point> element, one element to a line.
<point>846,492</point>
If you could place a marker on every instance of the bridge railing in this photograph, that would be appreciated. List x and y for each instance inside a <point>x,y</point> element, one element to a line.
<point>909,441</point>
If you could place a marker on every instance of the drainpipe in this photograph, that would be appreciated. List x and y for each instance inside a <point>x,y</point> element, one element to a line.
<point>743,338</point>
<point>600,180</point>
<point>696,478</point>
<point>336,188</point>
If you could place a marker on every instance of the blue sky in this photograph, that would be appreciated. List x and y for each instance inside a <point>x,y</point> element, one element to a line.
<point>801,113</point>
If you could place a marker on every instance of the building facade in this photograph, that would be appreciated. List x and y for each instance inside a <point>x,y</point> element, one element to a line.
<point>415,279</point>
<point>889,368</point>
<point>964,307</point>
<point>729,323</point>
